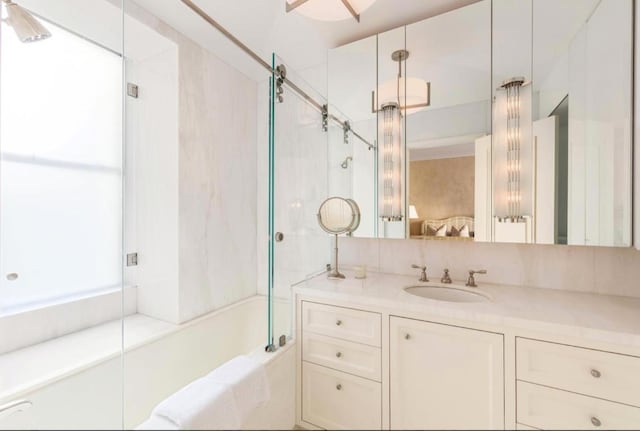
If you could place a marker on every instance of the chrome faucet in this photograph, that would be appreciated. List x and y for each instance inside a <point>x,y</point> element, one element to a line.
<point>423,276</point>
<point>471,282</point>
<point>446,279</point>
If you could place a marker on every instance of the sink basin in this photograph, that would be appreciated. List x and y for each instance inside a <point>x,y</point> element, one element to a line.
<point>448,294</point>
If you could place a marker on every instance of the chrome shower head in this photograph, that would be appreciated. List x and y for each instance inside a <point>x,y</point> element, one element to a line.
<point>26,26</point>
<point>345,163</point>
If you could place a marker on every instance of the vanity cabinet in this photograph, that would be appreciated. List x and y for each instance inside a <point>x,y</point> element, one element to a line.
<point>341,367</point>
<point>445,377</point>
<point>568,387</point>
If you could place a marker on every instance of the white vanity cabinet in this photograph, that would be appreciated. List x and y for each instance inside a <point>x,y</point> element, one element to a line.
<point>341,367</point>
<point>375,358</point>
<point>444,377</point>
<point>568,387</point>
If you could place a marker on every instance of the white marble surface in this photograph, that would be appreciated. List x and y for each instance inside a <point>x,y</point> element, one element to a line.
<point>605,318</point>
<point>205,188</point>
<point>605,270</point>
<point>217,183</point>
<point>38,365</point>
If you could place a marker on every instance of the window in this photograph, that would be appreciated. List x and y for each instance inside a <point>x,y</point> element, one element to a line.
<point>60,170</point>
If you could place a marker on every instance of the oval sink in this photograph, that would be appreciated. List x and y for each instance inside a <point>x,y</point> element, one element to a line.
<point>448,294</point>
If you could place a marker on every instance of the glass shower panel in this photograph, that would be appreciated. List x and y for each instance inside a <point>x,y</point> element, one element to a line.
<point>299,185</point>
<point>61,211</point>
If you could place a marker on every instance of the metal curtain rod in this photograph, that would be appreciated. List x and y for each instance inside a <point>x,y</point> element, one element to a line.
<point>320,107</point>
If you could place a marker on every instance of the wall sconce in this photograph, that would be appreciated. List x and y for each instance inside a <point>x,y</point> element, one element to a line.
<point>329,10</point>
<point>413,213</point>
<point>514,195</point>
<point>512,150</point>
<point>390,159</point>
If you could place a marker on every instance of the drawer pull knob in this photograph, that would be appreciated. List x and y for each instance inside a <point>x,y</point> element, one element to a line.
<point>596,374</point>
<point>339,387</point>
<point>407,336</point>
<point>338,354</point>
<point>338,322</point>
<point>595,421</point>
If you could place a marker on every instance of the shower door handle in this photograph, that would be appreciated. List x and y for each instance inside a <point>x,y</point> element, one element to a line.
<point>279,236</point>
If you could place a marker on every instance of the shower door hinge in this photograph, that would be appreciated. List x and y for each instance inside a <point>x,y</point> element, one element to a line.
<point>325,118</point>
<point>132,259</point>
<point>132,90</point>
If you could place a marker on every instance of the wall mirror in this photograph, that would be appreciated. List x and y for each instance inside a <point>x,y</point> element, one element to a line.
<point>422,95</point>
<point>526,132</point>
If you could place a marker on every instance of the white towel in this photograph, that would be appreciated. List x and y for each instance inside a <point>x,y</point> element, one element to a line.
<point>248,381</point>
<point>202,404</point>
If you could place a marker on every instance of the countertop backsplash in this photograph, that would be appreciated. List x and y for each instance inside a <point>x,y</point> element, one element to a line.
<point>605,270</point>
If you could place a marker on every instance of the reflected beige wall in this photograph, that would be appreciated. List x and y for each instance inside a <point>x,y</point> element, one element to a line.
<point>442,188</point>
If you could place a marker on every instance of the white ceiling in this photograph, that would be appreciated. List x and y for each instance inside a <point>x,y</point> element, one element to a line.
<point>265,27</point>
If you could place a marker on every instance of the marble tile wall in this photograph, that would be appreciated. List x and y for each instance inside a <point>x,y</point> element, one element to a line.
<point>217,183</point>
<point>216,179</point>
<point>605,270</point>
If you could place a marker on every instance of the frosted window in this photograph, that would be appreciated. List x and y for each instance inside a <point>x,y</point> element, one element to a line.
<point>61,169</point>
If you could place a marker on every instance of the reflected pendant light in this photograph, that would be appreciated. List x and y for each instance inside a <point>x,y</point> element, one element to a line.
<point>514,144</point>
<point>411,94</point>
<point>329,10</point>
<point>26,26</point>
<point>390,158</point>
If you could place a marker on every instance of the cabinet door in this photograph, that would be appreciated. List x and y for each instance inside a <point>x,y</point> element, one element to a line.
<point>445,377</point>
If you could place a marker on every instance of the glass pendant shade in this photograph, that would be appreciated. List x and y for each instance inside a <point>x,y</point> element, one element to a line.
<point>330,10</point>
<point>412,94</point>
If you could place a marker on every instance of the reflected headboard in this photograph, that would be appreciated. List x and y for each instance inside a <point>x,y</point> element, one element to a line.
<point>457,222</point>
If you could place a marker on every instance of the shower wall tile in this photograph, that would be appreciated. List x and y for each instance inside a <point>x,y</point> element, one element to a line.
<point>605,270</point>
<point>217,183</point>
<point>215,255</point>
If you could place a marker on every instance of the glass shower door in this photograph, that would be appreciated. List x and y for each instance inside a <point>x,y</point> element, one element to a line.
<point>298,248</point>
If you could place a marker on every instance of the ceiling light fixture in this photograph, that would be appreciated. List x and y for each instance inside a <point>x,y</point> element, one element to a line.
<point>26,26</point>
<point>329,10</point>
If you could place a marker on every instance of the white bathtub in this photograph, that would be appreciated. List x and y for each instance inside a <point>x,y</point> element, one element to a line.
<point>93,397</point>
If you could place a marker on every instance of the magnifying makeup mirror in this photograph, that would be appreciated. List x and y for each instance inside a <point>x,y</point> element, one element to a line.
<point>337,216</point>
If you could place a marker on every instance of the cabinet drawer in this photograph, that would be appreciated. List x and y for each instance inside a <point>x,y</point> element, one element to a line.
<point>359,359</point>
<point>548,408</point>
<point>335,400</point>
<point>346,323</point>
<point>600,374</point>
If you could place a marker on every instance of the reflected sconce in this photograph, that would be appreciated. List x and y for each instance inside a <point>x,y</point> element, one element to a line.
<point>514,147</point>
<point>390,159</point>
<point>413,213</point>
<point>329,10</point>
<point>395,97</point>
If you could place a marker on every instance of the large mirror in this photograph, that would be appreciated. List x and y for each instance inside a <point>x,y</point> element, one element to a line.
<point>425,88</point>
<point>504,121</point>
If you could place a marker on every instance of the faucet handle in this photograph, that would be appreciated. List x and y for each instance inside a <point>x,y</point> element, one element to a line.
<point>423,276</point>
<point>471,281</point>
<point>446,278</point>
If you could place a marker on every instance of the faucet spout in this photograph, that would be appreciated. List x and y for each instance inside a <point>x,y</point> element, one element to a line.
<point>423,276</point>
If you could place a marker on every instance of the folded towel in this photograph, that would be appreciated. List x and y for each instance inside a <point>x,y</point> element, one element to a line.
<point>202,404</point>
<point>248,381</point>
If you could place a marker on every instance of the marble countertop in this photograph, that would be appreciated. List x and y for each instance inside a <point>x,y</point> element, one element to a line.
<point>605,318</point>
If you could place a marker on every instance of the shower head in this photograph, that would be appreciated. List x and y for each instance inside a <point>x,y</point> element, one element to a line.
<point>26,26</point>
<point>345,163</point>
